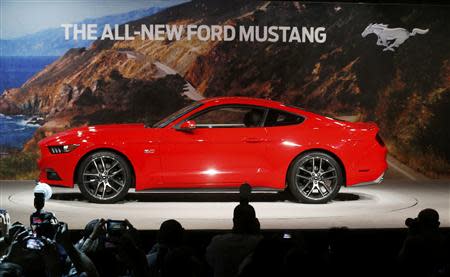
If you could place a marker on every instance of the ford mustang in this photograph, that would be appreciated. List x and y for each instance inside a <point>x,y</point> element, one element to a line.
<point>218,144</point>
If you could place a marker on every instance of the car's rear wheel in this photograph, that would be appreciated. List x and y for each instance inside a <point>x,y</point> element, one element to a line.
<point>315,177</point>
<point>104,177</point>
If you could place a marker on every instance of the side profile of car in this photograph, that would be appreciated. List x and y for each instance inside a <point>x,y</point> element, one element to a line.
<point>218,144</point>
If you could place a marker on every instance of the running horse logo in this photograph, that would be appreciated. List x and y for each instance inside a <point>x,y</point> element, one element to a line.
<point>390,37</point>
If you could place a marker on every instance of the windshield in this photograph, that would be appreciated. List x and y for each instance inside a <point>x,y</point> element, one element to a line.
<point>167,120</point>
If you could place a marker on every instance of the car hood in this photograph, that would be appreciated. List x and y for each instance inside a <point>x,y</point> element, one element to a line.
<point>78,132</point>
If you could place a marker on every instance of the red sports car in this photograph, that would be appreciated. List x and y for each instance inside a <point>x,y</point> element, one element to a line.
<point>218,143</point>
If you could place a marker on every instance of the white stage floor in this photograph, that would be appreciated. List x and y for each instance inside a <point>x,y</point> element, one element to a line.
<point>386,205</point>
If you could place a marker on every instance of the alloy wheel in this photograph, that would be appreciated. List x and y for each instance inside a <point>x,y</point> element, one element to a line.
<point>316,178</point>
<point>104,177</point>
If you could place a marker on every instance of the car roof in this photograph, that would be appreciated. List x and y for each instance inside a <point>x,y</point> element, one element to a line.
<point>244,100</point>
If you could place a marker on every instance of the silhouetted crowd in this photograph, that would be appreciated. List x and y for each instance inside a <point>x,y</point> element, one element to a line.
<point>115,248</point>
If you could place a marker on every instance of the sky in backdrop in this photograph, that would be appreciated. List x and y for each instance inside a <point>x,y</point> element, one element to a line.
<point>22,17</point>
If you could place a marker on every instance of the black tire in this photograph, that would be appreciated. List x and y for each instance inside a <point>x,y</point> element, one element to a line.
<point>320,185</point>
<point>104,177</point>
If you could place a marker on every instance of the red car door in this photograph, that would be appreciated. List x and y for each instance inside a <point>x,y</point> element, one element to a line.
<point>226,148</point>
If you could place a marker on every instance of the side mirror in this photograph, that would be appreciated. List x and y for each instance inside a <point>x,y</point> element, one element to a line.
<point>187,126</point>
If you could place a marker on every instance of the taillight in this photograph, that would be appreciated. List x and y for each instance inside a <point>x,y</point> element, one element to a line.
<point>379,139</point>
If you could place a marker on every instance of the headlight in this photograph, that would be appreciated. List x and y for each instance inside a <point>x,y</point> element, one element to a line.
<point>62,148</point>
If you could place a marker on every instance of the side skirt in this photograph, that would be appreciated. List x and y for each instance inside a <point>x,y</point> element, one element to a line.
<point>202,190</point>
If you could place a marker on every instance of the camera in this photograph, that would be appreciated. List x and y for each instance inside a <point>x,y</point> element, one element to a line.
<point>411,222</point>
<point>44,224</point>
<point>33,243</point>
<point>115,228</point>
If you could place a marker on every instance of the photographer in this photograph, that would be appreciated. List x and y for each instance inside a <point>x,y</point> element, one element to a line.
<point>93,236</point>
<point>81,263</point>
<point>131,253</point>
<point>31,249</point>
<point>45,249</point>
<point>115,248</point>
<point>423,251</point>
<point>40,256</point>
<point>37,256</point>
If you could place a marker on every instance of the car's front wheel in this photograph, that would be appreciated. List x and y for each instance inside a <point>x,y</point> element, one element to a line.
<point>315,177</point>
<point>104,177</point>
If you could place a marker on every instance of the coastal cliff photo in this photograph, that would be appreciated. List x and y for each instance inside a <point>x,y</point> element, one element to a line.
<point>49,84</point>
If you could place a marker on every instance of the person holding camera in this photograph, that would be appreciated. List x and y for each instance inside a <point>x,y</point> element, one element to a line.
<point>115,248</point>
<point>41,256</point>
<point>423,251</point>
<point>44,249</point>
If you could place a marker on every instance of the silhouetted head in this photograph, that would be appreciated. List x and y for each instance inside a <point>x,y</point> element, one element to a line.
<point>171,233</point>
<point>10,270</point>
<point>245,191</point>
<point>428,218</point>
<point>339,240</point>
<point>244,219</point>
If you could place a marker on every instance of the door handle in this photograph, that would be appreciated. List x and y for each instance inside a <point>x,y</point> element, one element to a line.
<point>253,140</point>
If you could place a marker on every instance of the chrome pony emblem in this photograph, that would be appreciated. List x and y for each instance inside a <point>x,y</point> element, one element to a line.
<point>391,37</point>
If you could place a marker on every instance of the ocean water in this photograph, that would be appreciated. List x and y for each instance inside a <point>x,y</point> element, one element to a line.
<point>15,131</point>
<point>14,71</point>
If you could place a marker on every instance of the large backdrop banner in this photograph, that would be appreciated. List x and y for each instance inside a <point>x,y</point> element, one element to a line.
<point>82,63</point>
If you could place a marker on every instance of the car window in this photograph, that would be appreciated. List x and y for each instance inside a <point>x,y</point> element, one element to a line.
<point>169,119</point>
<point>230,117</point>
<point>280,118</point>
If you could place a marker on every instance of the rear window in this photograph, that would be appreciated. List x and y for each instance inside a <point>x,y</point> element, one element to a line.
<point>279,118</point>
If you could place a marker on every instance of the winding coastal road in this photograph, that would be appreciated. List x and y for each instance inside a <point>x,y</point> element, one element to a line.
<point>188,90</point>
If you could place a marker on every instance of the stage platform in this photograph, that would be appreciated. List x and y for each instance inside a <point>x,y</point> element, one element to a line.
<point>385,205</point>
